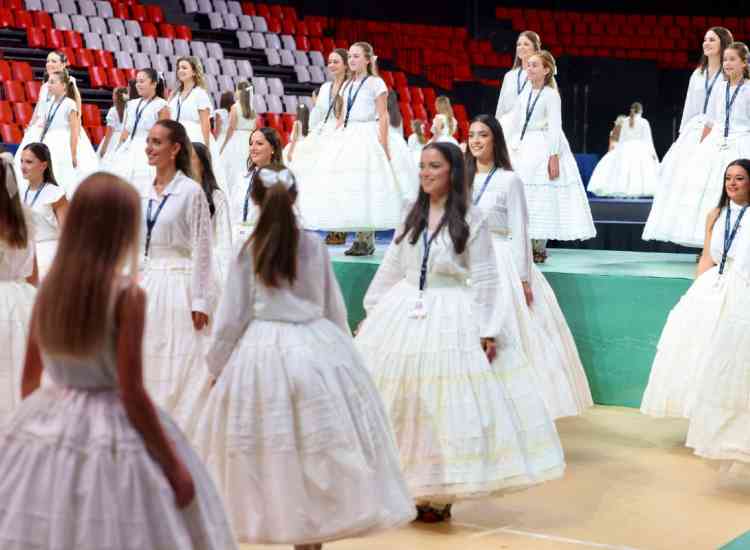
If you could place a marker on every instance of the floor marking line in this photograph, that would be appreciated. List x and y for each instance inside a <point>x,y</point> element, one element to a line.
<point>551,538</point>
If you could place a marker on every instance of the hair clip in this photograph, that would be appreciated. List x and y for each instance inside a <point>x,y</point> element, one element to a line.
<point>11,185</point>
<point>270,177</point>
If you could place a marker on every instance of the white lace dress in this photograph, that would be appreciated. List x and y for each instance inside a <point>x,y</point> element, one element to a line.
<point>541,330</point>
<point>460,428</point>
<point>41,203</point>
<point>294,431</point>
<point>75,473</point>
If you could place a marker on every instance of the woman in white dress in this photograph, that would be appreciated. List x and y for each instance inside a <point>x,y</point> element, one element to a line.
<point>191,106</point>
<point>526,304</point>
<point>293,421</point>
<point>680,369</point>
<point>300,132</point>
<point>705,82</point>
<point>236,144</point>
<point>557,202</point>
<point>89,461</point>
<point>177,265</point>
<point>129,160</point>
<point>115,123</point>
<point>354,187</point>
<point>444,125</point>
<point>632,168</point>
<point>402,159</point>
<point>221,117</point>
<point>18,277</point>
<point>45,200</point>
<point>515,81</point>
<point>429,341</point>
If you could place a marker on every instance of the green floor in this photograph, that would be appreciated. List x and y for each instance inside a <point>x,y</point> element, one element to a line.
<point>616,304</point>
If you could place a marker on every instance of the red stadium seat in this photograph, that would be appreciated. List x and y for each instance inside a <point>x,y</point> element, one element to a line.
<point>6,113</point>
<point>289,13</point>
<point>403,94</point>
<point>417,97</point>
<point>274,25</point>
<point>6,18</point>
<point>130,74</point>
<point>104,58</point>
<point>32,88</point>
<point>23,113</point>
<point>399,79</point>
<point>314,29</point>
<point>120,10</point>
<point>138,12</point>
<point>274,120</point>
<point>70,53</point>
<point>13,91</point>
<point>92,116</point>
<point>10,133</point>
<point>24,20</point>
<point>149,29</point>
<point>288,27</point>
<point>155,14</point>
<point>303,43</point>
<point>73,39</point>
<point>287,121</point>
<point>275,10</point>
<point>98,77</point>
<point>85,58</point>
<point>35,38</point>
<point>183,32</point>
<point>387,77</point>
<point>316,44</point>
<point>116,78</point>
<point>302,28</point>
<point>55,39</point>
<point>96,134</point>
<point>419,112</point>
<point>42,20</point>
<point>263,10</point>
<point>6,72</point>
<point>248,8</point>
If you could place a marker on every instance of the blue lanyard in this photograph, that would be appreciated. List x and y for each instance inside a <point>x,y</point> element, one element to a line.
<point>426,244</point>
<point>50,117</point>
<point>729,237</point>
<point>151,222</point>
<point>139,114</point>
<point>519,86</point>
<point>251,177</point>
<point>709,89</point>
<point>728,104</point>
<point>530,106</point>
<point>485,184</point>
<point>350,100</point>
<point>36,195</point>
<point>331,103</point>
<point>180,102</point>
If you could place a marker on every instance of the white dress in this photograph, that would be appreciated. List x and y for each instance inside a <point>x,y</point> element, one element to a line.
<point>460,426</point>
<point>113,122</point>
<point>75,473</point>
<point>294,431</point>
<point>178,279</point>
<point>16,302</point>
<point>221,236</point>
<point>354,187</point>
<point>441,129</point>
<point>234,156</point>
<point>402,160</point>
<point>129,160</point>
<point>665,212</point>
<point>514,83</point>
<point>415,148</point>
<point>558,209</point>
<point>46,228</point>
<point>631,169</point>
<point>691,328</point>
<point>540,330</point>
<point>223,115</point>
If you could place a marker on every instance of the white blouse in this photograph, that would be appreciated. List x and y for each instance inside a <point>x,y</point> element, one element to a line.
<point>314,295</point>
<point>149,110</point>
<point>183,229</point>
<point>187,109</point>
<point>504,204</point>
<point>546,116</point>
<point>640,131</point>
<point>741,244</point>
<point>476,267</point>
<point>363,108</point>
<point>60,116</point>
<point>16,264</point>
<point>113,120</point>
<point>739,121</point>
<point>41,104</point>
<point>696,95</point>
<point>514,84</point>
<point>322,104</point>
<point>41,206</point>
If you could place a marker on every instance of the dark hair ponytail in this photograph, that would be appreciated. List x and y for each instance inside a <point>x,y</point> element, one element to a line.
<point>153,76</point>
<point>208,180</point>
<point>178,134</point>
<point>42,153</point>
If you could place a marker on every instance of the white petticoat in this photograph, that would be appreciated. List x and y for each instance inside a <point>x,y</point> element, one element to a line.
<point>675,373</point>
<point>354,187</point>
<point>16,303</point>
<point>296,437</point>
<point>558,209</point>
<point>630,170</point>
<point>465,428</point>
<point>129,161</point>
<point>74,473</point>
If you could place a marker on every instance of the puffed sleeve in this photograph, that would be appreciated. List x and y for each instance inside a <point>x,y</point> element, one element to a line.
<point>506,100</point>
<point>390,272</point>
<point>334,308</point>
<point>484,277</point>
<point>112,117</point>
<point>199,217</point>
<point>518,223</point>
<point>554,121</point>
<point>234,313</point>
<point>378,86</point>
<point>203,101</point>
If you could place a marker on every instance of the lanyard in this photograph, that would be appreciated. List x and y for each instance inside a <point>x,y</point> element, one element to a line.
<point>729,103</point>
<point>426,244</point>
<point>50,117</point>
<point>151,222</point>
<point>729,237</point>
<point>519,86</point>
<point>246,208</point>
<point>180,101</point>
<point>350,100</point>
<point>331,103</point>
<point>485,184</point>
<point>139,114</point>
<point>709,89</point>
<point>36,195</point>
<point>530,106</point>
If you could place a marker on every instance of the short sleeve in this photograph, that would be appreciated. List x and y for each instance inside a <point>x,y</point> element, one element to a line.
<point>202,100</point>
<point>112,117</point>
<point>70,106</point>
<point>377,86</point>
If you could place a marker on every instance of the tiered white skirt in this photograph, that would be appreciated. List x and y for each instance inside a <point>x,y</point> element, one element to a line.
<point>16,303</point>
<point>628,171</point>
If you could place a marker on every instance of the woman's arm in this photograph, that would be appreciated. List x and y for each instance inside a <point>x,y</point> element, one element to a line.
<point>105,144</point>
<point>217,126</point>
<point>32,366</point>
<point>382,109</point>
<point>706,262</point>
<point>61,210</point>
<point>165,113</point>
<point>205,126</point>
<point>75,134</point>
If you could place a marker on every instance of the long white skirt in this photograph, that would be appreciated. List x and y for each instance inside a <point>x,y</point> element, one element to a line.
<point>104,155</point>
<point>675,373</point>
<point>234,158</point>
<point>664,212</point>
<point>307,152</point>
<point>129,161</point>
<point>558,209</point>
<point>45,255</point>
<point>720,420</point>
<point>74,473</point>
<point>195,134</point>
<point>354,187</point>
<point>295,435</point>
<point>464,428</point>
<point>16,303</point>
<point>402,160</point>
<point>629,170</point>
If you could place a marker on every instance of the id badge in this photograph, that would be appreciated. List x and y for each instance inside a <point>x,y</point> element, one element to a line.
<point>419,310</point>
<point>245,230</point>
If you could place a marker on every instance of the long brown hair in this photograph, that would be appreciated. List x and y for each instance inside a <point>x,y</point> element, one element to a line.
<point>534,39</point>
<point>99,236</point>
<point>744,55</point>
<point>272,137</point>
<point>367,49</point>
<point>121,101</point>
<point>178,134</point>
<point>42,153</point>
<point>275,240</point>
<point>13,229</point>
<point>500,155</point>
<point>548,61</point>
<point>444,107</point>
<point>244,95</point>
<point>725,39</point>
<point>635,109</point>
<point>417,126</point>
<point>71,90</point>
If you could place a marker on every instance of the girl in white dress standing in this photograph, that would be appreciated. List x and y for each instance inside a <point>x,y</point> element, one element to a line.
<point>221,117</point>
<point>632,169</point>
<point>558,207</point>
<point>402,159</point>
<point>688,360</point>
<point>242,123</point>
<point>515,81</point>
<point>18,277</point>
<point>527,307</point>
<point>429,341</point>
<point>45,200</point>
<point>89,461</point>
<point>115,123</point>
<point>705,83</point>
<point>293,421</point>
<point>177,265</point>
<point>129,160</point>
<point>354,187</point>
<point>444,125</point>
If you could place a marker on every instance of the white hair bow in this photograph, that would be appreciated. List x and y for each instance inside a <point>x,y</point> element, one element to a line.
<point>269,178</point>
<point>11,186</point>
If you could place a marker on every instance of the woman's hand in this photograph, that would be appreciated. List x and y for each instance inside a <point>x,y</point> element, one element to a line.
<point>182,485</point>
<point>200,320</point>
<point>489,347</point>
<point>553,167</point>
<point>527,293</point>
<point>706,131</point>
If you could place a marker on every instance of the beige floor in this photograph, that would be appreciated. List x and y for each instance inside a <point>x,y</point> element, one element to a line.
<point>630,484</point>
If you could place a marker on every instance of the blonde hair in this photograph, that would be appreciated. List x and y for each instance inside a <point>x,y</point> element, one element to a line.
<point>744,54</point>
<point>417,126</point>
<point>71,90</point>
<point>372,66</point>
<point>99,235</point>
<point>548,60</point>
<point>635,108</point>
<point>199,76</point>
<point>244,94</point>
<point>532,37</point>
<point>444,107</point>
